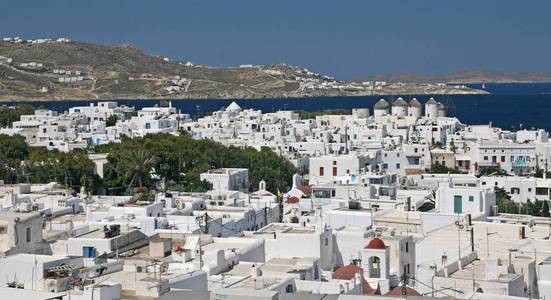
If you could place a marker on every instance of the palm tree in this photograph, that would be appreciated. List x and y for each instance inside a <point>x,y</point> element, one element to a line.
<point>137,166</point>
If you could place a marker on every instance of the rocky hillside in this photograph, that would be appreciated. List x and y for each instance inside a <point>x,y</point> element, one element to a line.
<point>464,77</point>
<point>75,70</point>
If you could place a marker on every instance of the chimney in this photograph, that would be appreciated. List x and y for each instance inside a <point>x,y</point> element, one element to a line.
<point>521,232</point>
<point>220,257</point>
<point>445,265</point>
<point>295,182</point>
<point>255,271</point>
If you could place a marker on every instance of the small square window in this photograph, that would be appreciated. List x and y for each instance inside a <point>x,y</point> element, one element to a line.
<point>471,198</point>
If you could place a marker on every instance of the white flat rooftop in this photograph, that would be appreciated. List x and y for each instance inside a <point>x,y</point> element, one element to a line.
<point>31,258</point>
<point>21,294</point>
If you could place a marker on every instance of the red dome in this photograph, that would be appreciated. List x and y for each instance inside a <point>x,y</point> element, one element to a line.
<point>292,200</point>
<point>399,291</point>
<point>376,243</point>
<point>306,189</point>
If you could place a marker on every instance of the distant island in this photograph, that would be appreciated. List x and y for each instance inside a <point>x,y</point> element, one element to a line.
<point>60,69</point>
<point>463,77</point>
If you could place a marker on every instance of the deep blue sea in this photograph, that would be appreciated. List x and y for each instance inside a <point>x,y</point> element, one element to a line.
<point>508,106</point>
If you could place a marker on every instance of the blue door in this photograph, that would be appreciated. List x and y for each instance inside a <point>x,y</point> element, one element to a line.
<point>89,252</point>
<point>457,204</point>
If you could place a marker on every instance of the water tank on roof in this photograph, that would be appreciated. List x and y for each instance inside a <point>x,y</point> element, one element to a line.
<point>353,204</point>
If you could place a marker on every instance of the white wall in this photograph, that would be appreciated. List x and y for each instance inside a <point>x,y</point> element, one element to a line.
<point>289,245</point>
<point>544,278</point>
<point>196,280</point>
<point>477,201</point>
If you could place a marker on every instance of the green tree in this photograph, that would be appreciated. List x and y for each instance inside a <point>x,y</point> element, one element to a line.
<point>545,209</point>
<point>180,160</point>
<point>13,152</point>
<point>452,146</point>
<point>20,163</point>
<point>438,145</point>
<point>539,173</point>
<point>111,121</point>
<point>507,205</point>
<point>137,166</point>
<point>504,202</point>
<point>10,114</point>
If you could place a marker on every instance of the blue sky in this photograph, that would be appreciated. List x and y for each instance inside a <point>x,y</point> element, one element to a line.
<point>347,39</point>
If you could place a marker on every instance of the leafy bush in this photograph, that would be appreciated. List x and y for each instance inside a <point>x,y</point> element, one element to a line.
<point>310,115</point>
<point>506,205</point>
<point>491,170</point>
<point>437,168</point>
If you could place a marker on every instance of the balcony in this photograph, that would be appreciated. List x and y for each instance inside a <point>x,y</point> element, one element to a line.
<point>522,164</point>
<point>489,164</point>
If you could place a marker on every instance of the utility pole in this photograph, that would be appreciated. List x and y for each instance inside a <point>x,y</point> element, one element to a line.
<point>487,243</point>
<point>179,164</point>
<point>473,278</point>
<point>265,214</point>
<point>279,183</point>
<point>160,282</point>
<point>346,138</point>
<point>404,282</point>
<point>460,264</point>
<point>199,242</point>
<point>472,238</point>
